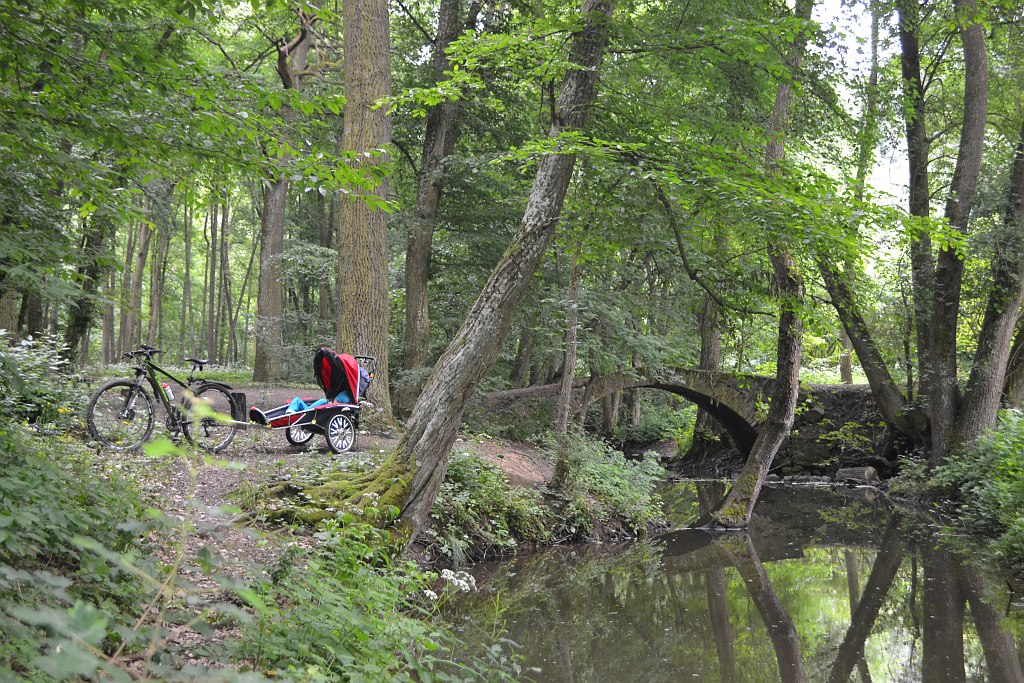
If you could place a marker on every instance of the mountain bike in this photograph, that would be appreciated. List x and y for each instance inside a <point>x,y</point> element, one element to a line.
<point>121,413</point>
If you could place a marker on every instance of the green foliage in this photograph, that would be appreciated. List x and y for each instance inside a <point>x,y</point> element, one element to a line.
<point>34,385</point>
<point>51,585</point>
<point>662,422</point>
<point>987,480</point>
<point>479,514</point>
<point>344,611</point>
<point>601,484</point>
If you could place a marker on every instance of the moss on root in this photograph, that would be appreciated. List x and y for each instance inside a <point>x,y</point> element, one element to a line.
<point>383,488</point>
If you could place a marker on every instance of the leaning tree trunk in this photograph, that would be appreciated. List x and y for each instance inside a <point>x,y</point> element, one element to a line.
<point>789,283</point>
<point>883,387</point>
<point>362,229</point>
<point>944,392</point>
<point>435,420</point>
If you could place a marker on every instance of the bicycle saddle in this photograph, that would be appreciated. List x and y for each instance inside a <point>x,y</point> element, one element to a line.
<point>199,361</point>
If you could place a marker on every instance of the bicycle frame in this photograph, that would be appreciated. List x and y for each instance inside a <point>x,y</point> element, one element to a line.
<point>148,369</point>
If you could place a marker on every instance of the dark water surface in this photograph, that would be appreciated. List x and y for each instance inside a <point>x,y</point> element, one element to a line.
<point>827,586</point>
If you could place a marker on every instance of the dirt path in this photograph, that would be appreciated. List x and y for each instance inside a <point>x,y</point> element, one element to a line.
<point>209,493</point>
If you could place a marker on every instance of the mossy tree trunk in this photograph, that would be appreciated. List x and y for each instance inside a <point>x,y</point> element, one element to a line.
<point>434,423</point>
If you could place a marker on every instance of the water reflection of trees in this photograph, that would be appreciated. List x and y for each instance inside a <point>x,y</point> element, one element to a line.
<point>692,606</point>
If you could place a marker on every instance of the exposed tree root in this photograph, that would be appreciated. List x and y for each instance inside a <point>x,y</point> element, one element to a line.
<point>381,489</point>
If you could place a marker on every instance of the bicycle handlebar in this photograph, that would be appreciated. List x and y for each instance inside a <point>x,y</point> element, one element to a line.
<point>144,350</point>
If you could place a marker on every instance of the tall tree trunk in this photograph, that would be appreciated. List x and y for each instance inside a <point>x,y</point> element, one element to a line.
<point>435,420</point>
<point>124,298</point>
<point>34,324</point>
<point>704,426</point>
<point>325,216</point>
<point>10,307</point>
<point>90,273</point>
<point>269,337</point>
<point>984,387</point>
<point>524,356</point>
<point>157,278</point>
<point>922,268</point>
<point>186,290</point>
<point>109,342</point>
<point>133,329</point>
<point>291,64</point>
<point>224,294</point>
<point>438,143</point>
<point>944,393</point>
<point>362,230</point>
<point>568,374</point>
<point>739,504</point>
<point>241,298</point>
<point>212,252</point>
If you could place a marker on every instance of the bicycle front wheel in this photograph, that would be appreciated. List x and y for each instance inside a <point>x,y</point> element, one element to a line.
<point>211,433</point>
<point>120,415</point>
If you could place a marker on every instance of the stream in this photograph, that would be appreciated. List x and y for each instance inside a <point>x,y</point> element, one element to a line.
<point>828,585</point>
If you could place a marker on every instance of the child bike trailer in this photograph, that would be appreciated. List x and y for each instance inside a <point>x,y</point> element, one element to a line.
<point>344,380</point>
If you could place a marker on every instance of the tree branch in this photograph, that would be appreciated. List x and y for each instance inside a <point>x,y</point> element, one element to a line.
<point>690,270</point>
<point>415,22</point>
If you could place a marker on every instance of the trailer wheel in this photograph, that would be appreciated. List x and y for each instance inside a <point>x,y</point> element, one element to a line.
<point>340,433</point>
<point>297,436</point>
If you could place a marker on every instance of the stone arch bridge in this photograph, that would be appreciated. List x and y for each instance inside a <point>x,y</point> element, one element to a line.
<point>738,402</point>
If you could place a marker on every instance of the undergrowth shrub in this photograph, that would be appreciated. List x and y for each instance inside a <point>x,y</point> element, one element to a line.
<point>344,611</point>
<point>50,498</point>
<point>661,422</point>
<point>35,385</point>
<point>479,514</point>
<point>986,480</point>
<point>601,484</point>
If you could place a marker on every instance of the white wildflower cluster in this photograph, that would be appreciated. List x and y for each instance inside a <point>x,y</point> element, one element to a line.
<point>431,595</point>
<point>460,580</point>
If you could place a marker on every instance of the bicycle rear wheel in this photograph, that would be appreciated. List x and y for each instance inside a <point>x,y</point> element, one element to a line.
<point>120,415</point>
<point>211,433</point>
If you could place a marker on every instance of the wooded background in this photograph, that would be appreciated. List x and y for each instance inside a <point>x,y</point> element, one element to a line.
<point>246,182</point>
